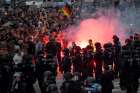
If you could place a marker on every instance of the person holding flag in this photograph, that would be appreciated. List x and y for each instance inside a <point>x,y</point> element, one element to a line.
<point>67,11</point>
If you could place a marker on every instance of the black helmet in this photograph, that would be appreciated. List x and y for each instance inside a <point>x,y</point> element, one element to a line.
<point>128,41</point>
<point>108,45</point>
<point>66,50</point>
<point>98,45</point>
<point>68,76</point>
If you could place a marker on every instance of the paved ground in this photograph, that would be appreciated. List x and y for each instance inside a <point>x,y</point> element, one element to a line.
<point>60,79</point>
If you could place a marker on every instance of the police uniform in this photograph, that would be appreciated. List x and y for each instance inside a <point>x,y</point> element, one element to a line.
<point>136,47</point>
<point>117,50</point>
<point>129,68</point>
<point>66,61</point>
<point>108,54</point>
<point>87,64</point>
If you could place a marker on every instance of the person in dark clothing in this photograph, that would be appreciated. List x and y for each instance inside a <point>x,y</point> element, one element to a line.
<point>31,47</point>
<point>52,47</point>
<point>18,85</point>
<point>59,52</point>
<point>106,80</point>
<point>117,50</point>
<point>108,54</point>
<point>41,67</point>
<point>98,58</point>
<point>29,74</point>
<point>51,64</point>
<point>77,60</point>
<point>90,46</point>
<point>87,63</point>
<point>71,85</point>
<point>129,67</point>
<point>49,83</point>
<point>59,58</point>
<point>68,81</point>
<point>73,49</point>
<point>4,79</point>
<point>66,61</point>
<point>126,58</point>
<point>136,47</point>
<point>92,85</point>
<point>5,72</point>
<point>77,85</point>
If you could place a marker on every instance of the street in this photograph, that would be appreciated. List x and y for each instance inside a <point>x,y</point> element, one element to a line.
<point>60,80</point>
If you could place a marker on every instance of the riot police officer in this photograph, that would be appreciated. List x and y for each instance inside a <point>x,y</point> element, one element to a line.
<point>136,47</point>
<point>66,61</point>
<point>77,60</point>
<point>129,68</point>
<point>52,47</point>
<point>117,50</point>
<point>98,58</point>
<point>108,54</point>
<point>87,63</point>
<point>41,67</point>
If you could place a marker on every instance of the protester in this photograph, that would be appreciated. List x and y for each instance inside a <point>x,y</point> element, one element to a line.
<point>106,80</point>
<point>32,42</point>
<point>98,58</point>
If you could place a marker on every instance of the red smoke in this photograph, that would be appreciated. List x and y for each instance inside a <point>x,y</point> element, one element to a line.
<point>99,29</point>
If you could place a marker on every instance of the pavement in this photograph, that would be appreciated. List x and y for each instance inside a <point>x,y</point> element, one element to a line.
<point>60,80</point>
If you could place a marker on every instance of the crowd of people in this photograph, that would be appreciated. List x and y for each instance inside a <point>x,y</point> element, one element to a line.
<point>25,56</point>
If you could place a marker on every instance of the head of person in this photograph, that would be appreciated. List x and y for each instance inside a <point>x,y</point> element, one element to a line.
<point>73,44</point>
<point>115,38</point>
<point>98,46</point>
<point>52,39</point>
<point>128,41</point>
<point>68,76</point>
<point>90,42</point>
<point>108,46</point>
<point>136,36</point>
<point>66,51</point>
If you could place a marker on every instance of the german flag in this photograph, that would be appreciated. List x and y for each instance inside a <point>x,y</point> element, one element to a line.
<point>67,10</point>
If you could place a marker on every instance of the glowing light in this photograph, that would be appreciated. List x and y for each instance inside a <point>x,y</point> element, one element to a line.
<point>99,29</point>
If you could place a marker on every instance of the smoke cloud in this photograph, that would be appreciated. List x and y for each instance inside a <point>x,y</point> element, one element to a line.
<point>101,27</point>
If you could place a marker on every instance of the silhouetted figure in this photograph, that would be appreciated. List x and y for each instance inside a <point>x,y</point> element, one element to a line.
<point>66,61</point>
<point>129,68</point>
<point>108,54</point>
<point>106,80</point>
<point>98,58</point>
<point>117,51</point>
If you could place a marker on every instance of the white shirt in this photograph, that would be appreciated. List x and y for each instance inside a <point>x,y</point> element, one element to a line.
<point>18,58</point>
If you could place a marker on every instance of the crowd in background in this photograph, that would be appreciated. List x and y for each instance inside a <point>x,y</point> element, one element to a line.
<point>26,57</point>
